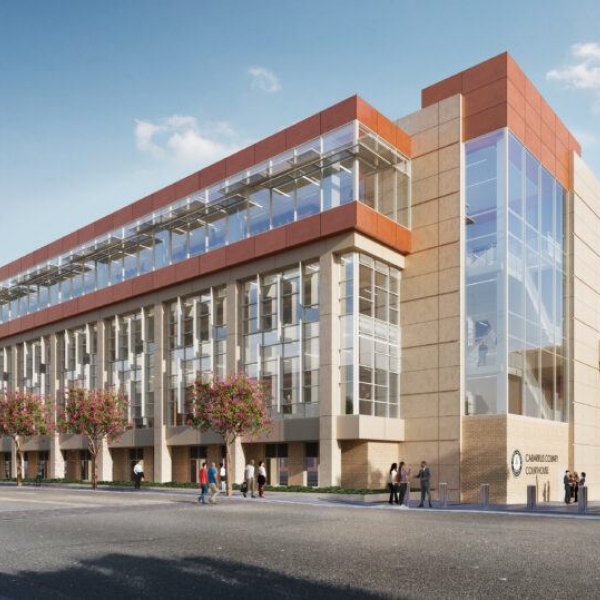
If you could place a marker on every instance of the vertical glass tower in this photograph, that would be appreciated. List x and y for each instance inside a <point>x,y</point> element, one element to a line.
<point>515,282</point>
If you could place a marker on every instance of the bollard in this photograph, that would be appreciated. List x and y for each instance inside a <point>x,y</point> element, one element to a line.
<point>484,495</point>
<point>443,493</point>
<point>582,499</point>
<point>531,497</point>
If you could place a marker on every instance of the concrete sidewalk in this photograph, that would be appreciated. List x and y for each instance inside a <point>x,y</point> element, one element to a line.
<point>375,501</point>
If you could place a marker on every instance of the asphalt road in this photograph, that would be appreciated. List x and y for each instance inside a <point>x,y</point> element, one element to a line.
<point>83,544</point>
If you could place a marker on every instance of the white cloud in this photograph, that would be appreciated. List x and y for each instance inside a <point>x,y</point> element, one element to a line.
<point>264,80</point>
<point>584,72</point>
<point>182,140</point>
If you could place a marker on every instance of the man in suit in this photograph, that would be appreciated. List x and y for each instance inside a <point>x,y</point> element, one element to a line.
<point>567,482</point>
<point>424,475</point>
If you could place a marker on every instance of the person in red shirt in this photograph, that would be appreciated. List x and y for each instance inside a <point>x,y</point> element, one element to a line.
<point>203,481</point>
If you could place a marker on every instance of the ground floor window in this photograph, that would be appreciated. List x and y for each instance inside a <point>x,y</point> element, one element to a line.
<point>311,463</point>
<point>277,464</point>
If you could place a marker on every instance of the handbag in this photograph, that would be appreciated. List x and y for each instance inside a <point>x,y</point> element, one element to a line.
<point>244,487</point>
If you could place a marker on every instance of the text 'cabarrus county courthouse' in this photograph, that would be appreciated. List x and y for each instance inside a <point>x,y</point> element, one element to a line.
<point>418,289</point>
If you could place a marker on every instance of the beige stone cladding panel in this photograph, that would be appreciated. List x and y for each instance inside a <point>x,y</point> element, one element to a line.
<point>148,463</point>
<point>121,464</point>
<point>584,296</point>
<point>366,464</point>
<point>181,463</point>
<point>483,457</point>
<point>544,448</point>
<point>431,310</point>
<point>296,464</point>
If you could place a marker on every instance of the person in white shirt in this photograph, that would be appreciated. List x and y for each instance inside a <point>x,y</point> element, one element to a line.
<point>223,477</point>
<point>249,477</point>
<point>138,474</point>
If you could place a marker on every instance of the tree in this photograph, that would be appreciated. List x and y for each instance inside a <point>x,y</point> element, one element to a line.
<point>97,415</point>
<point>22,415</point>
<point>233,407</point>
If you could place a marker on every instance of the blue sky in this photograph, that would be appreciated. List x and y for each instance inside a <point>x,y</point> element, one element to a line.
<point>104,102</point>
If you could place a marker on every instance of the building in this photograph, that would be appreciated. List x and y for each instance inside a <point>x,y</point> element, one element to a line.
<point>417,289</point>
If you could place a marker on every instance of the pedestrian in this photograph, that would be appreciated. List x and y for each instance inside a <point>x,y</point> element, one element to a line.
<point>567,484</point>
<point>424,476</point>
<point>393,483</point>
<point>575,484</point>
<point>223,477</point>
<point>261,478</point>
<point>203,481</point>
<point>213,475</point>
<point>582,479</point>
<point>39,475</point>
<point>403,474</point>
<point>138,474</point>
<point>249,478</point>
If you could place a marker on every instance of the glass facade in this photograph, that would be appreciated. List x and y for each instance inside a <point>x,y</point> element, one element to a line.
<point>369,337</point>
<point>196,337</point>
<point>130,362</point>
<point>280,328</point>
<point>515,282</point>
<point>345,165</point>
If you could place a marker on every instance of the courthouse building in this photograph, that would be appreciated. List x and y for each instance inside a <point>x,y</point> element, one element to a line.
<point>415,289</point>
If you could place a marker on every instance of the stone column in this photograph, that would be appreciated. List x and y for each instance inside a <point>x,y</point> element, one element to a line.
<point>56,465</point>
<point>330,453</point>
<point>163,464</point>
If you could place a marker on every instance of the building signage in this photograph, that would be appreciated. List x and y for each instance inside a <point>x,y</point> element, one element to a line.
<point>535,464</point>
<point>516,463</point>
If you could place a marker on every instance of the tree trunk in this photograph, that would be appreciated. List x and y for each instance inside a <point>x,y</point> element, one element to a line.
<point>20,461</point>
<point>93,448</point>
<point>228,465</point>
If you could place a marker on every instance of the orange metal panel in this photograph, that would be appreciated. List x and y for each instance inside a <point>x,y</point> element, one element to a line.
<point>339,114</point>
<point>213,261</point>
<point>485,97</point>
<point>239,252</point>
<point>186,186</point>
<point>239,161</point>
<point>339,219</point>
<point>485,73</point>
<point>213,173</point>
<point>485,121</point>
<point>516,98</point>
<point>270,242</point>
<point>442,90</point>
<point>367,114</point>
<point>274,144</point>
<point>516,123</point>
<point>303,231</point>
<point>303,131</point>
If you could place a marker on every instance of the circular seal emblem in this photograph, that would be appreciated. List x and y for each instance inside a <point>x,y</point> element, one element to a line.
<point>516,463</point>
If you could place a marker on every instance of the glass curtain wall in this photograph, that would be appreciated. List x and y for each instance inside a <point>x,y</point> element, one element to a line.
<point>131,362</point>
<point>196,332</point>
<point>280,320</point>
<point>370,337</point>
<point>515,282</point>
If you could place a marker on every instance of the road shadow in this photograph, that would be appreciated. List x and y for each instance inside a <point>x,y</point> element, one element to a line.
<point>124,576</point>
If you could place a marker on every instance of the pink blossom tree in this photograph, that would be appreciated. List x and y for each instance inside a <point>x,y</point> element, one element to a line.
<point>96,415</point>
<point>22,415</point>
<point>233,407</point>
